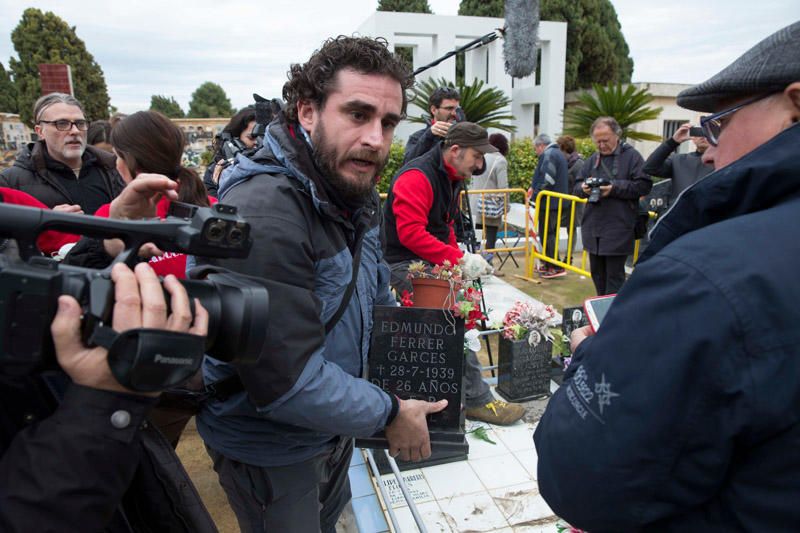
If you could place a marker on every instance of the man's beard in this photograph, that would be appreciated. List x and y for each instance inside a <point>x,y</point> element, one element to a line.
<point>328,159</point>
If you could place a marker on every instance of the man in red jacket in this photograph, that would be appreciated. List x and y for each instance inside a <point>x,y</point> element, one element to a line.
<point>419,213</point>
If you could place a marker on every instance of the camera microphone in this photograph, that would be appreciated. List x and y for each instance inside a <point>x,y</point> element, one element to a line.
<point>520,37</point>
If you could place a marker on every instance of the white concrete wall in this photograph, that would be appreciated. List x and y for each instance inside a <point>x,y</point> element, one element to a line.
<point>432,36</point>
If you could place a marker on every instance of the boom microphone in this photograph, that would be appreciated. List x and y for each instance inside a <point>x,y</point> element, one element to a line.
<point>521,36</point>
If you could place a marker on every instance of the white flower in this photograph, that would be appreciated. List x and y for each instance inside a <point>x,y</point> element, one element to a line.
<point>472,341</point>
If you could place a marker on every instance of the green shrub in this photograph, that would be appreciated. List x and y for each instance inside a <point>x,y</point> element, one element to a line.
<point>396,153</point>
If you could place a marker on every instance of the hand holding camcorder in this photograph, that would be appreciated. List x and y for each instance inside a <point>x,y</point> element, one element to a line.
<point>141,359</point>
<point>594,184</point>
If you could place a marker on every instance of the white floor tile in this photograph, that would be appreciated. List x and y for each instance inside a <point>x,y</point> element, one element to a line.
<point>479,448</point>
<point>549,527</point>
<point>435,521</point>
<point>521,504</point>
<point>416,484</point>
<point>529,461</point>
<point>501,471</point>
<point>474,512</point>
<point>453,479</point>
<point>517,437</point>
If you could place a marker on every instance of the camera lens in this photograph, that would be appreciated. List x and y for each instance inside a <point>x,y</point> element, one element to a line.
<point>215,231</point>
<point>236,236</point>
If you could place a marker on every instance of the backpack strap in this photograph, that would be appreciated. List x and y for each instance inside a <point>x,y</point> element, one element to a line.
<point>224,388</point>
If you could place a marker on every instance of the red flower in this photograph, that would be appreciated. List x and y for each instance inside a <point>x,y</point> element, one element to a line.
<point>406,300</point>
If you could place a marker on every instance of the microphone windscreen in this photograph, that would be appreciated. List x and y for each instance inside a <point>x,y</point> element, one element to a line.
<point>521,36</point>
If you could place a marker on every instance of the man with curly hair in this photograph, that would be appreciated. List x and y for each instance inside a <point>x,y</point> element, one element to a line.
<point>282,446</point>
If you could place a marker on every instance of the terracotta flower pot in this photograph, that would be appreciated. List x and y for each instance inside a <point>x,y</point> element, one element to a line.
<point>432,293</point>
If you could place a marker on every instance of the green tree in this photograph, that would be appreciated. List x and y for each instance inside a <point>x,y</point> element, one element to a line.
<point>210,100</point>
<point>625,103</point>
<point>167,106</point>
<point>405,6</point>
<point>482,8</point>
<point>46,38</point>
<point>482,105</point>
<point>8,92</point>
<point>596,49</point>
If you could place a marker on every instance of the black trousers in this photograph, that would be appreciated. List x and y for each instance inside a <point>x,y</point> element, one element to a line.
<point>608,273</point>
<point>299,498</point>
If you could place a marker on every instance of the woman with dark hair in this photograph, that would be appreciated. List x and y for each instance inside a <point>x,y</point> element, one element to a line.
<point>99,135</point>
<point>147,142</point>
<point>488,209</point>
<point>240,132</point>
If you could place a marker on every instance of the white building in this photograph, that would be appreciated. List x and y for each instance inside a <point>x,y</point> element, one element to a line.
<point>537,107</point>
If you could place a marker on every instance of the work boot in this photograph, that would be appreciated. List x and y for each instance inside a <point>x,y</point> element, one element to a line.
<point>497,412</point>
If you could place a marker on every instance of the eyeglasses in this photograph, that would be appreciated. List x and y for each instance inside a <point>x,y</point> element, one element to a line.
<point>66,125</point>
<point>712,124</point>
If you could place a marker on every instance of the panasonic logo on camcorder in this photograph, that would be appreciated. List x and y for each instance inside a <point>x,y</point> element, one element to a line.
<point>173,360</point>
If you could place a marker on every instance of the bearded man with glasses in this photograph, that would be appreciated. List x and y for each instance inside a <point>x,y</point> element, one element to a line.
<point>682,413</point>
<point>59,169</point>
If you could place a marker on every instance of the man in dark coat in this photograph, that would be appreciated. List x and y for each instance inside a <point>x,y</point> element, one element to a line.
<point>683,412</point>
<point>443,105</point>
<point>60,170</point>
<point>608,222</point>
<point>551,174</point>
<point>682,169</point>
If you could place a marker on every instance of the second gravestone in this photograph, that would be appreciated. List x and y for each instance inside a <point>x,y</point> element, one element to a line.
<point>418,354</point>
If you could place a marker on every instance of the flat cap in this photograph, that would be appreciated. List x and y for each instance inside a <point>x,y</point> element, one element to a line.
<point>769,66</point>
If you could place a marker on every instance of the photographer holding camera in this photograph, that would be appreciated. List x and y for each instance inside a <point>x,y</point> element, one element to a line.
<point>68,465</point>
<point>613,181</point>
<point>236,136</point>
<point>443,106</point>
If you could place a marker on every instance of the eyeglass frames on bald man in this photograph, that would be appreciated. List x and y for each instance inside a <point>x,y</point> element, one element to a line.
<point>712,124</point>
<point>66,125</point>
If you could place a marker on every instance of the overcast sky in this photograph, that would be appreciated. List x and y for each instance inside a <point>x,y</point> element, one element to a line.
<point>148,47</point>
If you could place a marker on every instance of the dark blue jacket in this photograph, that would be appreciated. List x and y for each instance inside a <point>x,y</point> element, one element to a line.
<point>551,173</point>
<point>683,412</point>
<point>308,389</point>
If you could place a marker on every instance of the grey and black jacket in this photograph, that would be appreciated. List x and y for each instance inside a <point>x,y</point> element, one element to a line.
<point>53,183</point>
<point>309,389</point>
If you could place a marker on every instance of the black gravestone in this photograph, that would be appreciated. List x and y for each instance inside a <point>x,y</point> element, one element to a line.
<point>523,371</point>
<point>418,353</point>
<point>572,318</point>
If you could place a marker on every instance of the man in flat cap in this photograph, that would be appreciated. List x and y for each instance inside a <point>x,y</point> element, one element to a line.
<point>419,213</point>
<point>691,420</point>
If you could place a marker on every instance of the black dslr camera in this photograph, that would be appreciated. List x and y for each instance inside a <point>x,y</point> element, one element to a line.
<point>594,184</point>
<point>29,289</point>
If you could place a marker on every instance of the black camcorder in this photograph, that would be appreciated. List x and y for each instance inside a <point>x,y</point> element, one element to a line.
<point>594,183</point>
<point>238,305</point>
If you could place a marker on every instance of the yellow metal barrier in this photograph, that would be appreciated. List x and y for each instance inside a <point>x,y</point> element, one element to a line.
<point>545,197</point>
<point>527,229</point>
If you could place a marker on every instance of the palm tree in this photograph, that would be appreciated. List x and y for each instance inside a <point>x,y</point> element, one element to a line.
<point>626,104</point>
<point>482,105</point>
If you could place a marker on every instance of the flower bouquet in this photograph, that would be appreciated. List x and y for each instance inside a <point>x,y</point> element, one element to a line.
<point>529,321</point>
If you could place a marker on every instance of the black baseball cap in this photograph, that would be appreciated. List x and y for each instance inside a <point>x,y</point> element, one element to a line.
<point>469,134</point>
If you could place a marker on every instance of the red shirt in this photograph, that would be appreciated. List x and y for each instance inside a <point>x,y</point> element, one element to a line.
<point>171,262</point>
<point>413,200</point>
<point>49,241</point>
